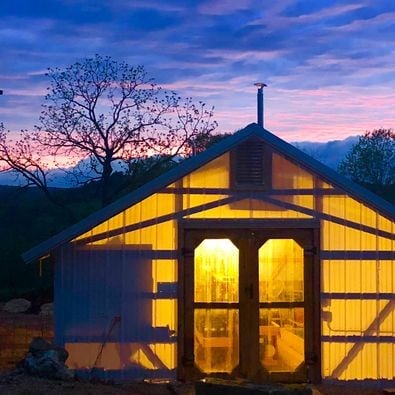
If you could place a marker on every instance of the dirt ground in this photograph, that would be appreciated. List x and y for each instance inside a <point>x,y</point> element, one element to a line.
<point>26,385</point>
<point>17,331</point>
<point>349,389</point>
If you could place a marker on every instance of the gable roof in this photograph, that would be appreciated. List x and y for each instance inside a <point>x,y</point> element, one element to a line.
<point>194,163</point>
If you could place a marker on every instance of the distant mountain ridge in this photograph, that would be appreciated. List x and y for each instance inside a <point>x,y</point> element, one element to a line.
<point>329,153</point>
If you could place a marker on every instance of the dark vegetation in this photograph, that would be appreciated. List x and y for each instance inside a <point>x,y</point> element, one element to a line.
<point>28,217</point>
<point>371,162</point>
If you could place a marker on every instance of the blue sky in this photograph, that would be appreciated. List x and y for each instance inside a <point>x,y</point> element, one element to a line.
<point>329,64</point>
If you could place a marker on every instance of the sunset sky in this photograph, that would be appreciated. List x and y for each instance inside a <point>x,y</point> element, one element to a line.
<point>329,64</point>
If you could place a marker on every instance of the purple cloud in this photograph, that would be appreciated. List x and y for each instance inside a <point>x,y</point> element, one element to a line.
<point>329,64</point>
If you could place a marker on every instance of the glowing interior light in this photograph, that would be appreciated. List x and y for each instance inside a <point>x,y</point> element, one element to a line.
<point>216,271</point>
<point>281,271</point>
<point>216,329</point>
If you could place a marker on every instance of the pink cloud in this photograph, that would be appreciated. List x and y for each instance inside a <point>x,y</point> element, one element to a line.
<point>254,56</point>
<point>360,24</point>
<point>35,91</point>
<point>273,18</point>
<point>330,113</point>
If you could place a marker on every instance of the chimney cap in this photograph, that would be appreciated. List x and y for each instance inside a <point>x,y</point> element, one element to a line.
<point>260,85</point>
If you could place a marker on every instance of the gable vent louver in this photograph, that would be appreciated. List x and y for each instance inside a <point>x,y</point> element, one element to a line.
<point>249,164</point>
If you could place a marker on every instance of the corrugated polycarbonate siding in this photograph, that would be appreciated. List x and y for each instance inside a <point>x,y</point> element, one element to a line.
<point>116,287</point>
<point>357,282</point>
<point>358,325</point>
<point>357,277</point>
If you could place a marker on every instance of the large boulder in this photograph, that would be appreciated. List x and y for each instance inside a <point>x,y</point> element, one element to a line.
<point>62,354</point>
<point>39,346</point>
<point>46,309</point>
<point>46,360</point>
<point>48,365</point>
<point>17,306</point>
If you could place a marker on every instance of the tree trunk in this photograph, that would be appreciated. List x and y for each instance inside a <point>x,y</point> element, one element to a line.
<point>105,183</point>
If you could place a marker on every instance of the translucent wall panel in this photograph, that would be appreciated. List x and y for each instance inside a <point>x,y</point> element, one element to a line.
<point>351,233</point>
<point>387,325</point>
<point>323,184</point>
<point>190,201</point>
<point>214,174</point>
<point>159,237</point>
<point>358,317</point>
<point>372,361</point>
<point>164,271</point>
<point>338,237</point>
<point>103,292</point>
<point>151,208</point>
<point>287,175</point>
<point>349,317</point>
<point>345,207</point>
<point>385,224</point>
<point>386,276</point>
<point>354,354</point>
<point>386,244</point>
<point>305,201</point>
<point>356,276</point>
<point>247,208</point>
<point>121,356</point>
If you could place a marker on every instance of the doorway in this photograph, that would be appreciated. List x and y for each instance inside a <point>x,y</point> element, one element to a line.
<point>249,307</point>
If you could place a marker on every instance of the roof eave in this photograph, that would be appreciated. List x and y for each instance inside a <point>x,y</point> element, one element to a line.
<point>191,164</point>
<point>139,194</point>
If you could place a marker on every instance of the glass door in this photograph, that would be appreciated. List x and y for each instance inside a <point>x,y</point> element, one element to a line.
<point>216,306</point>
<point>248,297</point>
<point>281,306</point>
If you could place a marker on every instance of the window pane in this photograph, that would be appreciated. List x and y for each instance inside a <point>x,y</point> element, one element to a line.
<point>216,271</point>
<point>281,271</point>
<point>281,339</point>
<point>216,339</point>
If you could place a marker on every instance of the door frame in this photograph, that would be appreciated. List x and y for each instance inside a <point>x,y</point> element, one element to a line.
<point>185,358</point>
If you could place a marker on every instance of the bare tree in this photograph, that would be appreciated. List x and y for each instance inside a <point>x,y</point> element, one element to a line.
<point>18,157</point>
<point>29,165</point>
<point>102,112</point>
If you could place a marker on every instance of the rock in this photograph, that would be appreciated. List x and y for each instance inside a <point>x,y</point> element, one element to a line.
<point>38,346</point>
<point>62,354</point>
<point>46,309</point>
<point>17,306</point>
<point>46,361</point>
<point>47,365</point>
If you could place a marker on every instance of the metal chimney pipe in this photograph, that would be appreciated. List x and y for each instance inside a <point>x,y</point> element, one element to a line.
<point>260,86</point>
